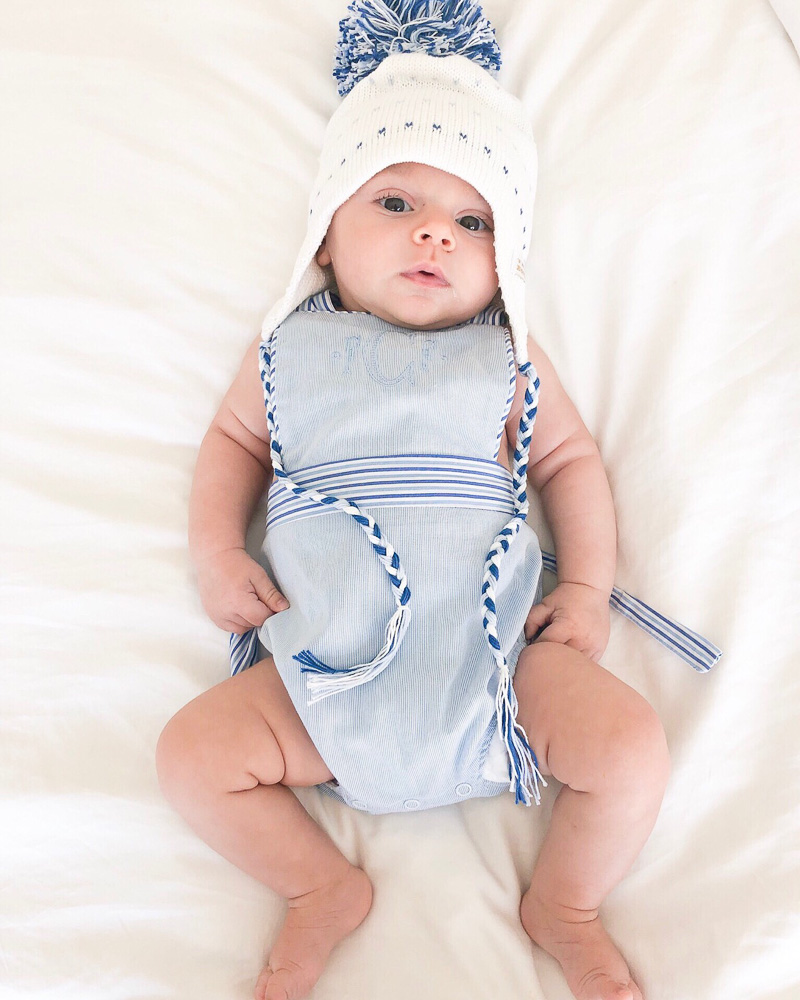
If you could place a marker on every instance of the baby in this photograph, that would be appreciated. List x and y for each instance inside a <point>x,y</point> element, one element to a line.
<point>399,653</point>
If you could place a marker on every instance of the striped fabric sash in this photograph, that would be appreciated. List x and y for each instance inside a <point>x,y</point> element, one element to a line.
<point>243,650</point>
<point>446,481</point>
<point>688,645</point>
<point>405,480</point>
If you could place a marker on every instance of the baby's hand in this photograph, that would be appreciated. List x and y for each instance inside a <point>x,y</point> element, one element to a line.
<point>575,615</point>
<point>236,592</point>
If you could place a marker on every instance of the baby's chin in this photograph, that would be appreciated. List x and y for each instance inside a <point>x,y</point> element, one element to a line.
<point>425,315</point>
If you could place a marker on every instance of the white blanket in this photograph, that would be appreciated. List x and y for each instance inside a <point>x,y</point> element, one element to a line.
<point>156,158</point>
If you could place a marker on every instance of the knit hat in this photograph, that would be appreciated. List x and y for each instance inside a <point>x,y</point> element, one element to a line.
<point>418,89</point>
<point>410,95</point>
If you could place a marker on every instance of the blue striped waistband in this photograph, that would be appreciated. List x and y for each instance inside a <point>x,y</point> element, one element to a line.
<point>400,480</point>
<point>447,481</point>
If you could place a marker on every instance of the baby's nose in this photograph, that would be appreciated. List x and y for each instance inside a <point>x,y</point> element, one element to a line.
<point>436,229</point>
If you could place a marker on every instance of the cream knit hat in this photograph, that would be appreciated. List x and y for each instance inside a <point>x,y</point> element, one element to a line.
<point>420,102</point>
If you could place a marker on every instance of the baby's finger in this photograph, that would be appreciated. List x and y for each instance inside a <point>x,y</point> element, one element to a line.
<point>268,593</point>
<point>276,601</point>
<point>559,631</point>
<point>538,617</point>
<point>235,623</point>
<point>252,610</point>
<point>589,651</point>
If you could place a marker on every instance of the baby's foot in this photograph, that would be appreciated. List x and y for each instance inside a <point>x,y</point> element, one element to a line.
<point>315,924</point>
<point>592,965</point>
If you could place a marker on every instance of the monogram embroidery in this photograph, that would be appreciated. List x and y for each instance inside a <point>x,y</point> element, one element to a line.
<point>384,367</point>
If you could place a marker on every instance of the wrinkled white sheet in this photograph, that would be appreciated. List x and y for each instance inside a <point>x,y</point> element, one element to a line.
<point>155,164</point>
<point>788,12</point>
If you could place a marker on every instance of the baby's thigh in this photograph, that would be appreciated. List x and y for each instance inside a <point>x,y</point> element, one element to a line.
<point>583,723</point>
<point>242,732</point>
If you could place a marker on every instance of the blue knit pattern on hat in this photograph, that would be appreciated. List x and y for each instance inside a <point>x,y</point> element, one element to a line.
<point>376,29</point>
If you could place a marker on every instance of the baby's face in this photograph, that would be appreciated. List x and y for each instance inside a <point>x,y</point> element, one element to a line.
<point>414,246</point>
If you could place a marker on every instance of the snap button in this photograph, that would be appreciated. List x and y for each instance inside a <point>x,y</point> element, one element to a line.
<point>411,804</point>
<point>358,804</point>
<point>464,788</point>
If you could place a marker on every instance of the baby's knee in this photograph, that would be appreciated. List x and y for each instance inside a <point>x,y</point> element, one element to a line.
<point>189,758</point>
<point>216,744</point>
<point>179,755</point>
<point>637,754</point>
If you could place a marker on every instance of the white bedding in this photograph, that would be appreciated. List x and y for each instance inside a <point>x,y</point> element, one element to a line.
<point>156,160</point>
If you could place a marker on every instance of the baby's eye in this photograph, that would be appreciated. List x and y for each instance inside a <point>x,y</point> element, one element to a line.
<point>394,203</point>
<point>473,223</point>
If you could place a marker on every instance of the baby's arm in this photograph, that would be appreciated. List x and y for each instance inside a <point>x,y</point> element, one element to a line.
<point>567,473</point>
<point>232,472</point>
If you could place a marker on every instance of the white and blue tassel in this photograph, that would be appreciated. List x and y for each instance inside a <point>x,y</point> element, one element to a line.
<point>525,777</point>
<point>326,680</point>
<point>376,29</point>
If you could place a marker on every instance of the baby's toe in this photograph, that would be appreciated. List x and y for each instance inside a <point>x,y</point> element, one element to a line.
<point>277,990</point>
<point>274,985</point>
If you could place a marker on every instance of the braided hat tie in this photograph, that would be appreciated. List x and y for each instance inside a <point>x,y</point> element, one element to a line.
<point>327,680</point>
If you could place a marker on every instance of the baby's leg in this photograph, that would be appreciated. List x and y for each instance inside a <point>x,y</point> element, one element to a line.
<point>223,762</point>
<point>605,744</point>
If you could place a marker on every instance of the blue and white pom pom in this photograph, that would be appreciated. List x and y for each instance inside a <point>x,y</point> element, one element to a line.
<point>376,29</point>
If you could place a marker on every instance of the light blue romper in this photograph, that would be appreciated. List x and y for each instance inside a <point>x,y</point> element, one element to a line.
<point>408,425</point>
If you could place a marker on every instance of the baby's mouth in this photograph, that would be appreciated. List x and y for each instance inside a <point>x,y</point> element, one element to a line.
<point>427,275</point>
